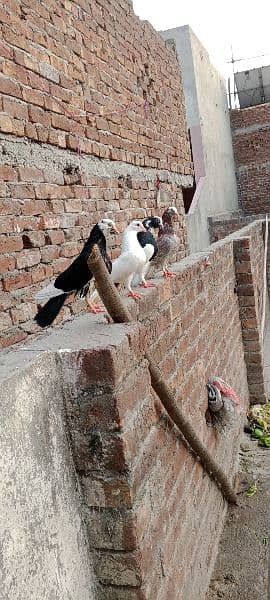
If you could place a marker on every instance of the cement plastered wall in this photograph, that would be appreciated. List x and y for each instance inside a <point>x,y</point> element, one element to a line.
<point>44,550</point>
<point>208,120</point>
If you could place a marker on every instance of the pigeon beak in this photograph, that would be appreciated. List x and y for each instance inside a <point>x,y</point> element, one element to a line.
<point>114,229</point>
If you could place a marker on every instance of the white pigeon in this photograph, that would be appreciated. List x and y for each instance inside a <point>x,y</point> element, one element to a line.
<point>131,259</point>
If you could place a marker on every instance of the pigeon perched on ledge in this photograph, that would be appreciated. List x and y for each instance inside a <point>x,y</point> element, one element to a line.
<point>131,260</point>
<point>167,242</point>
<point>149,244</point>
<point>76,278</point>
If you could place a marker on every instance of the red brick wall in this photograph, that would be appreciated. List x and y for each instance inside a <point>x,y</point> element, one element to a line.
<point>154,518</point>
<point>251,143</point>
<point>249,267</point>
<point>91,111</point>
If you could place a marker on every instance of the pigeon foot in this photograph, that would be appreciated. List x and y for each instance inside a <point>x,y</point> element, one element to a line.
<point>147,285</point>
<point>168,274</point>
<point>96,310</point>
<point>134,295</point>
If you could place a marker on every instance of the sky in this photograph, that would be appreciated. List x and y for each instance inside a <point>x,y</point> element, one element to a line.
<point>244,25</point>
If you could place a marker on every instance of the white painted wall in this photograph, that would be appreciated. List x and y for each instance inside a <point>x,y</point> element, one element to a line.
<point>209,123</point>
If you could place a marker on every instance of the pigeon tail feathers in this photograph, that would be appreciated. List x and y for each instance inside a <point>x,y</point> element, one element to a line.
<point>50,310</point>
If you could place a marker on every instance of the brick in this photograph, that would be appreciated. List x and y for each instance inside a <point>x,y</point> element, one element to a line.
<point>48,71</point>
<point>38,274</point>
<point>120,569</point>
<point>9,87</point>
<point>31,208</point>
<point>111,529</point>
<point>5,124</point>
<point>3,192</point>
<point>15,109</point>
<point>49,254</point>
<point>31,131</point>
<point>98,493</point>
<point>70,250</point>
<point>46,190</point>
<point>6,301</point>
<point>33,96</point>
<point>60,265</point>
<point>73,206</point>
<point>22,191</point>
<point>16,281</point>
<point>34,239</point>
<point>27,258</point>
<point>61,122</point>
<point>55,237</point>
<point>18,127</point>
<point>8,173</point>
<point>7,263</point>
<point>10,243</point>
<point>39,83</point>
<point>23,313</point>
<point>49,222</point>
<point>12,336</point>
<point>37,115</point>
<point>5,322</point>
<point>30,174</point>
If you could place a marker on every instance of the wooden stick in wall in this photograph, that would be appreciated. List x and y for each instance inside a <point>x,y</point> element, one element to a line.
<point>119,313</point>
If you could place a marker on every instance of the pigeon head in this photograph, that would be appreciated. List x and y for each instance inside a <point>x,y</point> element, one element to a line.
<point>170,214</point>
<point>152,223</point>
<point>107,226</point>
<point>135,226</point>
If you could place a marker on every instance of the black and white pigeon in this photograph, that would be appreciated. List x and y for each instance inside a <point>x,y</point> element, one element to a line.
<point>167,242</point>
<point>150,246</point>
<point>76,278</point>
<point>131,259</point>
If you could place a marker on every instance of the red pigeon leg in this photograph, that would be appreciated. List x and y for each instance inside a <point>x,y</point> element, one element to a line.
<point>146,284</point>
<point>168,274</point>
<point>96,309</point>
<point>134,295</point>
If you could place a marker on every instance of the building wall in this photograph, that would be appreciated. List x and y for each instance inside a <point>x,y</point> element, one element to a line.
<point>251,143</point>
<point>209,123</point>
<point>249,265</point>
<point>92,110</point>
<point>153,516</point>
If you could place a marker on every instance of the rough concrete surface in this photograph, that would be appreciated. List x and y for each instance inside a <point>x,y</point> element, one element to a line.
<point>242,567</point>
<point>44,554</point>
<point>41,156</point>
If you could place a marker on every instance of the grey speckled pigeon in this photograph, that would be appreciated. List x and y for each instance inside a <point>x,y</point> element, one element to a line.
<point>168,242</point>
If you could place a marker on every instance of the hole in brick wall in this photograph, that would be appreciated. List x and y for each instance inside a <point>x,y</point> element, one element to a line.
<point>139,82</point>
<point>129,181</point>
<point>188,194</point>
<point>72,174</point>
<point>95,443</point>
<point>121,181</point>
<point>71,170</point>
<point>26,242</point>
